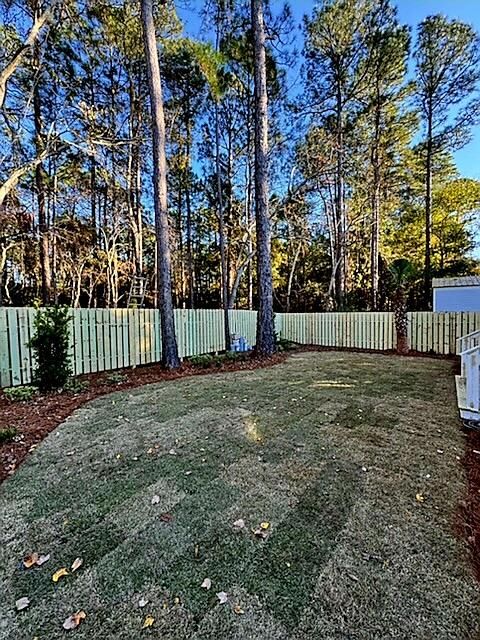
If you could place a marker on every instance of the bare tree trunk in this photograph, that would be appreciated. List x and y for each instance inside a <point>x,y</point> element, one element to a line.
<point>221,234</point>
<point>291,275</point>
<point>265,323</point>
<point>41,18</point>
<point>221,220</point>
<point>340,223</point>
<point>43,226</point>
<point>170,357</point>
<point>375,230</point>
<point>190,265</point>
<point>428,213</point>
<point>248,213</point>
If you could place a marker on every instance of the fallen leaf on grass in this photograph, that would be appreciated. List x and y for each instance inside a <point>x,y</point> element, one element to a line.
<point>77,563</point>
<point>22,603</point>
<point>166,517</point>
<point>222,597</point>
<point>262,530</point>
<point>148,622</point>
<point>156,500</point>
<point>207,584</point>
<point>419,498</point>
<point>30,560</point>
<point>74,620</point>
<point>59,574</point>
<point>43,559</point>
<point>142,602</point>
<point>238,610</point>
<point>239,524</point>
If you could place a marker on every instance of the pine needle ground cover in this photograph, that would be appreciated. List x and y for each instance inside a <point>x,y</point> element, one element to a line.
<point>314,499</point>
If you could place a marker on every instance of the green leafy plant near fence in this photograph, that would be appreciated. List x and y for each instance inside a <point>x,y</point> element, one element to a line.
<point>19,394</point>
<point>50,344</point>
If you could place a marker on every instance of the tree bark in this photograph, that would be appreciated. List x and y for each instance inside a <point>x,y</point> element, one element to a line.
<point>170,357</point>
<point>221,235</point>
<point>41,18</point>
<point>265,322</point>
<point>428,212</point>
<point>221,219</point>
<point>43,222</point>
<point>375,230</point>
<point>340,222</point>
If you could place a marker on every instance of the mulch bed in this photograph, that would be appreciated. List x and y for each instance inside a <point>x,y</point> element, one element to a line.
<point>469,520</point>
<point>35,419</point>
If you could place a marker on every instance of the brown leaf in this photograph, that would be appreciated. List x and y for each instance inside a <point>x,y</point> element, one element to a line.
<point>77,563</point>
<point>30,560</point>
<point>74,620</point>
<point>166,517</point>
<point>238,610</point>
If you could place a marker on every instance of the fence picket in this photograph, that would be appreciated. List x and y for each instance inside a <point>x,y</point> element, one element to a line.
<point>105,339</point>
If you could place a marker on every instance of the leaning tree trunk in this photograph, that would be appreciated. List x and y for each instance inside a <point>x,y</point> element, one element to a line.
<point>164,277</point>
<point>401,321</point>
<point>265,322</point>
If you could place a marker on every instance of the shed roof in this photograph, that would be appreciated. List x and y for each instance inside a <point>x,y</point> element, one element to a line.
<point>466,281</point>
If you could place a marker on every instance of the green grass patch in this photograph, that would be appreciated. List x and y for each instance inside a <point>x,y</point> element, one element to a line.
<point>330,449</point>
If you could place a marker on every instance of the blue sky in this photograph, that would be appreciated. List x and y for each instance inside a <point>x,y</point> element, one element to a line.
<point>410,12</point>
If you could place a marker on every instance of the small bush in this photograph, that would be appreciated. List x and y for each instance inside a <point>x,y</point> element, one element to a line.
<point>204,361</point>
<point>50,344</point>
<point>115,378</point>
<point>285,345</point>
<point>19,394</point>
<point>235,356</point>
<point>75,385</point>
<point>7,434</point>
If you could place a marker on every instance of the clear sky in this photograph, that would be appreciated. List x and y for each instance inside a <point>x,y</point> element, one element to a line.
<point>410,12</point>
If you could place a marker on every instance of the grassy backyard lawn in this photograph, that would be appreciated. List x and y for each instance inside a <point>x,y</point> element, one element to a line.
<point>349,460</point>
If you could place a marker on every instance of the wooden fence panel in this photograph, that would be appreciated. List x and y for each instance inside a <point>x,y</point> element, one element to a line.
<point>106,339</point>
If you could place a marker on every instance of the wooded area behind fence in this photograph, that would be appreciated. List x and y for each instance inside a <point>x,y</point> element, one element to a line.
<point>107,339</point>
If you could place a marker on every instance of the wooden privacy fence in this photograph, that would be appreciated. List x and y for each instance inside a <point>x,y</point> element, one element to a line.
<point>427,332</point>
<point>106,339</point>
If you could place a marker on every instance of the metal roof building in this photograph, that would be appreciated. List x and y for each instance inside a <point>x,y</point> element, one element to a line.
<point>456,294</point>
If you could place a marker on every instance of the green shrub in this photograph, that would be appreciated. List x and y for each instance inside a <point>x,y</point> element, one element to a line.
<point>19,394</point>
<point>75,385</point>
<point>7,434</point>
<point>50,345</point>
<point>115,378</point>
<point>235,356</point>
<point>204,361</point>
<point>285,345</point>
